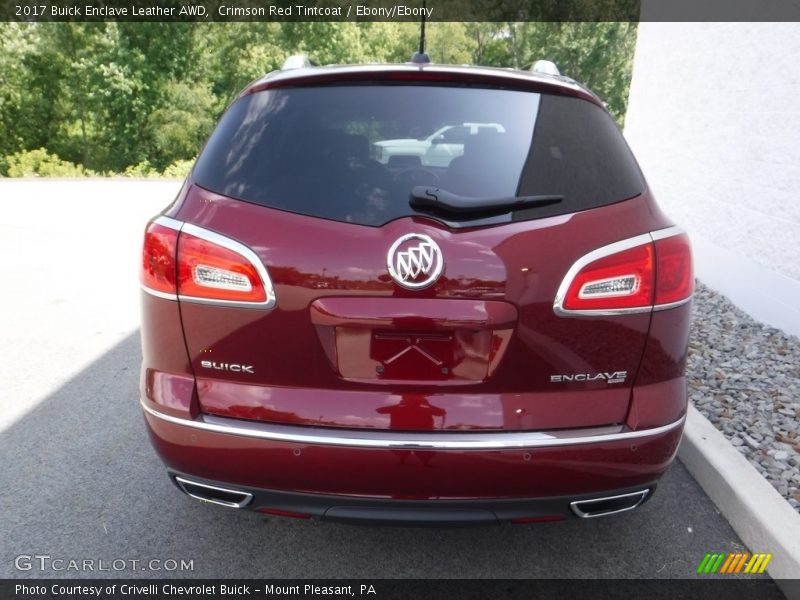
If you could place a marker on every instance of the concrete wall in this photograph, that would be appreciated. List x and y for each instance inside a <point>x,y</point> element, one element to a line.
<point>714,119</point>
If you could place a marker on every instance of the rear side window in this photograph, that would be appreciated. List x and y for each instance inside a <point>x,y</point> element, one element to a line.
<point>354,152</point>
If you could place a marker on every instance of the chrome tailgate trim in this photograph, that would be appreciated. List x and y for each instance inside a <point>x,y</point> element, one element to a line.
<point>456,440</point>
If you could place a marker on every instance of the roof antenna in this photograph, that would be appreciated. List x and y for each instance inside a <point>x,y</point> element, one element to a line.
<point>420,57</point>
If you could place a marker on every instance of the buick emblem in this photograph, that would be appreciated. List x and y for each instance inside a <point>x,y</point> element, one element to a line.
<point>415,261</point>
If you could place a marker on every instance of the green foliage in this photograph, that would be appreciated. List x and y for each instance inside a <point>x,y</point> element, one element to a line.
<point>179,169</point>
<point>140,98</point>
<point>40,163</point>
<point>145,169</point>
<point>599,55</point>
<point>181,124</point>
<point>449,43</point>
<point>142,169</point>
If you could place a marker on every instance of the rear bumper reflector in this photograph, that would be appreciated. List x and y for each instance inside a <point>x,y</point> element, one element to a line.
<point>500,440</point>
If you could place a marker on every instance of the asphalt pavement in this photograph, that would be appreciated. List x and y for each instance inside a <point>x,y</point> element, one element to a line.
<point>79,480</point>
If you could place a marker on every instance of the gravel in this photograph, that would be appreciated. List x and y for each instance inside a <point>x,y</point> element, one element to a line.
<point>744,377</point>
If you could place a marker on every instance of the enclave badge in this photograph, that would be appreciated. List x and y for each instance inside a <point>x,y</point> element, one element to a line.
<point>415,261</point>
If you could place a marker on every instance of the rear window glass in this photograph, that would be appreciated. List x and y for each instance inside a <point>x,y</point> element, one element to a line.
<point>354,152</point>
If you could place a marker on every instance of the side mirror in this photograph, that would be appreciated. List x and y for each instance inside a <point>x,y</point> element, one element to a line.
<point>439,139</point>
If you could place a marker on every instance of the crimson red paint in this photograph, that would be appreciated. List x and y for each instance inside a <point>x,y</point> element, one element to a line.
<point>532,357</point>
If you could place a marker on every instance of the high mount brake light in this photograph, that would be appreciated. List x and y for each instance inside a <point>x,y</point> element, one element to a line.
<point>189,263</point>
<point>644,273</point>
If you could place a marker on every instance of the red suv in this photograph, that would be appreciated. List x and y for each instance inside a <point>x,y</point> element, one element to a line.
<point>338,328</point>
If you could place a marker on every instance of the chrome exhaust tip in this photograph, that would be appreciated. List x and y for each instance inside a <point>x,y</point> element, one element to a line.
<point>214,494</point>
<point>610,505</point>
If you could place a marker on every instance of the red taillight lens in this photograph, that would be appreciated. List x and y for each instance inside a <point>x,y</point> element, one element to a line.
<point>284,513</point>
<point>543,519</point>
<point>620,280</point>
<point>158,258</point>
<point>674,274</point>
<point>209,270</point>
<point>650,271</point>
<point>191,263</point>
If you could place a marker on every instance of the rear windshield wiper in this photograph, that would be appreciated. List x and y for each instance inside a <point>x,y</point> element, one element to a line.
<point>433,198</point>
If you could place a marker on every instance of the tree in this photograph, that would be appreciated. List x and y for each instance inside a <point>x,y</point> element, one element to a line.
<point>599,55</point>
<point>111,96</point>
<point>182,122</point>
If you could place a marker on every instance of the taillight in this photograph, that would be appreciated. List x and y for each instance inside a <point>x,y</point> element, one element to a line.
<point>623,279</point>
<point>207,267</point>
<point>640,274</point>
<point>674,274</point>
<point>159,270</point>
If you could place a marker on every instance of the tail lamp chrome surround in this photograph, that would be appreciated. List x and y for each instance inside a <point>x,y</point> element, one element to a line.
<point>225,242</point>
<point>622,245</point>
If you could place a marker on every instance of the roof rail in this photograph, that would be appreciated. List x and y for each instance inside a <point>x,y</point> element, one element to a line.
<point>546,67</point>
<point>297,61</point>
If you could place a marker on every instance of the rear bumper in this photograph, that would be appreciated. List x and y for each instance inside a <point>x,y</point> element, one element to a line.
<point>381,511</point>
<point>377,467</point>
